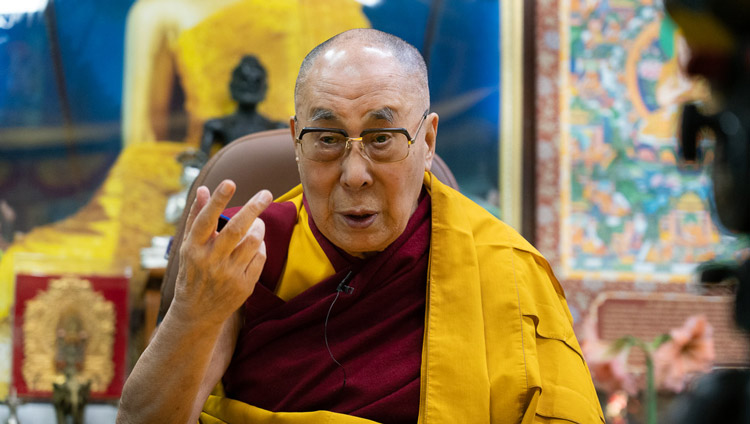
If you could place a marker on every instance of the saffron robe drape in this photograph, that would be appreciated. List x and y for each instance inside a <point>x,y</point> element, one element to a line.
<point>498,341</point>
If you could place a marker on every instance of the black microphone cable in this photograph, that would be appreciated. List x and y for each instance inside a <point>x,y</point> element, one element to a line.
<point>342,287</point>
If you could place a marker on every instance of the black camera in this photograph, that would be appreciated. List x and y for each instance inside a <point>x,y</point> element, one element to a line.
<point>718,34</point>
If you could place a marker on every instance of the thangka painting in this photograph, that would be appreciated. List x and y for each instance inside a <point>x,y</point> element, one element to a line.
<point>628,212</point>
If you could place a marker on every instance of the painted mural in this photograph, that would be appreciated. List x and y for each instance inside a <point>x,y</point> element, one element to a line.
<point>629,212</point>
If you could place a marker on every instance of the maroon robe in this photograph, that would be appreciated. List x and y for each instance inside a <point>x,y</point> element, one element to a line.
<point>375,330</point>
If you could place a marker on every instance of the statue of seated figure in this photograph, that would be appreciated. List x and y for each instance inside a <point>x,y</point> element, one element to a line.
<point>248,88</point>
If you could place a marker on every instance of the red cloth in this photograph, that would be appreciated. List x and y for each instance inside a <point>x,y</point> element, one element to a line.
<point>281,362</point>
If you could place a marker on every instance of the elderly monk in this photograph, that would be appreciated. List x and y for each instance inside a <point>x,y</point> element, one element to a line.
<point>370,293</point>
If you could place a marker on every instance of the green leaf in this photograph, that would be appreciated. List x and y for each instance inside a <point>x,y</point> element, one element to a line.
<point>624,342</point>
<point>660,340</point>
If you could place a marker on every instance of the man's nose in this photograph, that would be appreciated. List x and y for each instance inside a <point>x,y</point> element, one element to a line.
<point>355,166</point>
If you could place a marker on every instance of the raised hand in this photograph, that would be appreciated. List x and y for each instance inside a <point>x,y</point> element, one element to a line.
<point>218,271</point>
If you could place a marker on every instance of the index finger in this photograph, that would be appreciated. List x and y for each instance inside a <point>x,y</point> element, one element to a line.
<point>205,221</point>
<point>236,228</point>
<point>201,198</point>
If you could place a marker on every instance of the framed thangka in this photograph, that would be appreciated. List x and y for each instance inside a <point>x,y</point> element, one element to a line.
<point>616,212</point>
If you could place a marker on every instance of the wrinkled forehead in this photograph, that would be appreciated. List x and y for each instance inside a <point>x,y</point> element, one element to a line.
<point>357,75</point>
<point>352,65</point>
<point>345,54</point>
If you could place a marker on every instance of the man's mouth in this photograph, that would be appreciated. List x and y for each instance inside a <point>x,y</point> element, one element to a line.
<point>359,220</point>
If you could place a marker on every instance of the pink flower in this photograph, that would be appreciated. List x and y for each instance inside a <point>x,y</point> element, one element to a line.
<point>616,409</point>
<point>612,375</point>
<point>608,368</point>
<point>689,352</point>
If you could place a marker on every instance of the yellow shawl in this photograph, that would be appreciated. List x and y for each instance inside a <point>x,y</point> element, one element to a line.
<point>499,344</point>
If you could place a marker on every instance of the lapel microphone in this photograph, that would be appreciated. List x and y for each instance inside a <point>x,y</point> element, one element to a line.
<point>343,287</point>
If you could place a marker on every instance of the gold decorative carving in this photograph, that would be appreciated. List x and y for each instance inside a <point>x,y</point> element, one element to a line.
<point>69,303</point>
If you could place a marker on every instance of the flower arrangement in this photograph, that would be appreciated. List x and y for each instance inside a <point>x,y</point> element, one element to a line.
<point>672,361</point>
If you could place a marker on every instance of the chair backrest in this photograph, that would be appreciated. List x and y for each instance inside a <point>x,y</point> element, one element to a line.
<point>254,162</point>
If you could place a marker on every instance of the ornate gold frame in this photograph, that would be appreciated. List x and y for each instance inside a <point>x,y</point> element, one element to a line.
<point>76,297</point>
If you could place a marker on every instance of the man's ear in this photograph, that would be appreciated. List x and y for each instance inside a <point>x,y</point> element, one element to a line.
<point>293,127</point>
<point>430,138</point>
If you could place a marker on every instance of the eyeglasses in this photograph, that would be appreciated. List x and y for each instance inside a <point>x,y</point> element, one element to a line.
<point>378,144</point>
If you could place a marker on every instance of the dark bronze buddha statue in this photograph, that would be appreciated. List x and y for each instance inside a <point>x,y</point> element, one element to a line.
<point>248,88</point>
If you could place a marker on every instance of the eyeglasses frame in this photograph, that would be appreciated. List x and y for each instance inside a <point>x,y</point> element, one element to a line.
<point>349,140</point>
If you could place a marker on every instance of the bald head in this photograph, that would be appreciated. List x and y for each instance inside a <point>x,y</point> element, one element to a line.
<point>391,48</point>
